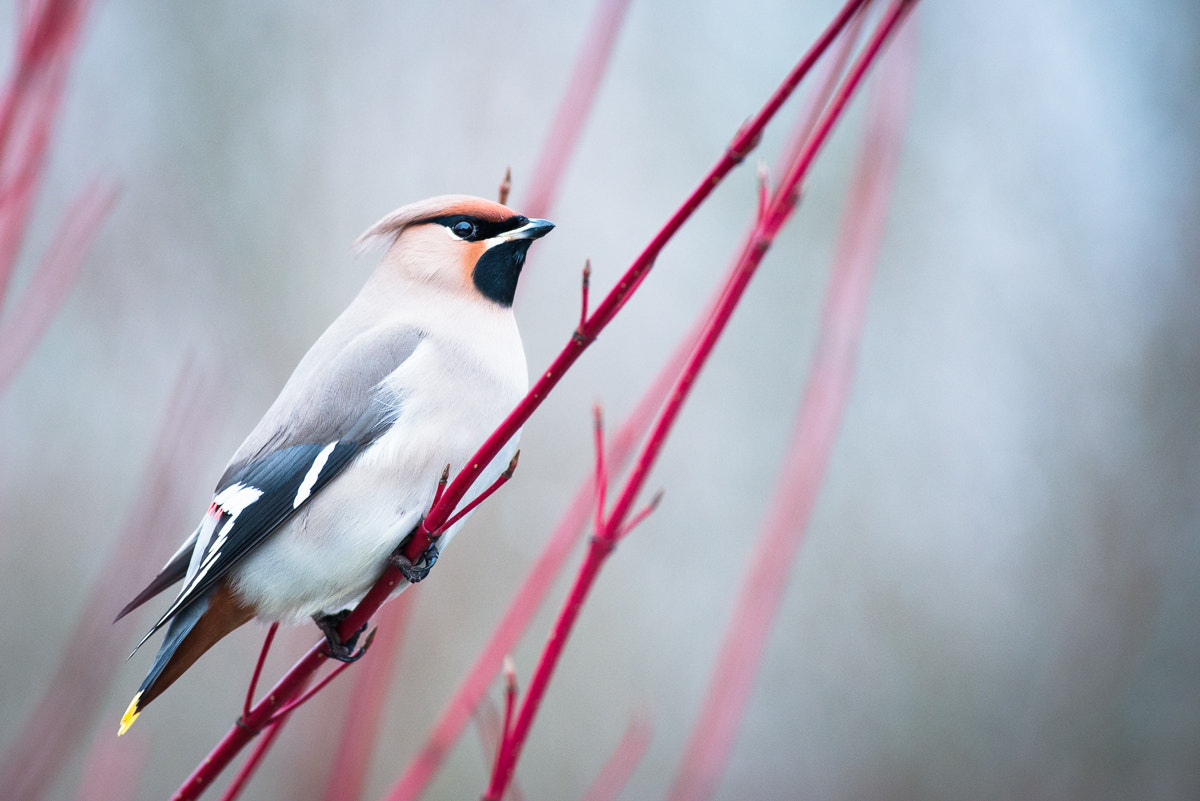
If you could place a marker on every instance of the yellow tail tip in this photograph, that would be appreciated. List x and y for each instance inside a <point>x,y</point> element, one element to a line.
<point>130,715</point>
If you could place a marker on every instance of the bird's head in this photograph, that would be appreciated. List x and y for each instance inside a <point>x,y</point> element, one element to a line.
<point>463,243</point>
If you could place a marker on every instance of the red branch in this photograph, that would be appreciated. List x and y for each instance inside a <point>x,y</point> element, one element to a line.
<point>258,668</point>
<point>48,41</point>
<point>258,754</point>
<point>56,274</point>
<point>812,439</point>
<point>743,142</point>
<point>782,204</point>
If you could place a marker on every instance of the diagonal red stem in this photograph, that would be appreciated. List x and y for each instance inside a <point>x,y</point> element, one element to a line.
<point>577,101</point>
<point>812,440</point>
<point>258,667</point>
<point>625,758</point>
<point>767,227</point>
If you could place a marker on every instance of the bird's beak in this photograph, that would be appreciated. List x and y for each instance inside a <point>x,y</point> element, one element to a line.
<point>534,229</point>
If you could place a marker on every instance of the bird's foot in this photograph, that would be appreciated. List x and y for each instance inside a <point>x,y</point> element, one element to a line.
<point>339,650</point>
<point>418,570</point>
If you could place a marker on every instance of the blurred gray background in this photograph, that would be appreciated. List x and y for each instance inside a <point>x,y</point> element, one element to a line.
<point>997,597</point>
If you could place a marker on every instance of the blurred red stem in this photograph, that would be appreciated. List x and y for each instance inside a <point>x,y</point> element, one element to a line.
<point>258,667</point>
<point>812,439</point>
<point>577,102</point>
<point>625,758</point>
<point>601,475</point>
<point>49,38</point>
<point>21,329</point>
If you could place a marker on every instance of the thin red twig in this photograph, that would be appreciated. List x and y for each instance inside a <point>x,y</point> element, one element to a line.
<point>258,667</point>
<point>782,204</point>
<point>812,440</point>
<point>510,702</point>
<point>638,517</point>
<point>251,725</point>
<point>252,763</point>
<point>489,724</point>
<point>483,496</point>
<point>441,485</point>
<point>510,693</point>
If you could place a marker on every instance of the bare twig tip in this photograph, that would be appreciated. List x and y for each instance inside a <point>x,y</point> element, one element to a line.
<point>510,671</point>
<point>764,188</point>
<point>583,301</point>
<point>506,185</point>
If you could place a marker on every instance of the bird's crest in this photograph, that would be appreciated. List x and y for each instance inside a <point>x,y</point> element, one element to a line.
<point>390,227</point>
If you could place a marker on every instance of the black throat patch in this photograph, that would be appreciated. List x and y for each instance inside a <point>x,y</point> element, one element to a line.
<point>498,269</point>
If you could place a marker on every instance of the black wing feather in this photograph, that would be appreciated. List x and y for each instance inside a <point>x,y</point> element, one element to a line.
<point>279,476</point>
<point>280,454</point>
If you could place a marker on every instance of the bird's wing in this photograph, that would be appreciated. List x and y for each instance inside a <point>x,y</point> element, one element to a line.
<point>326,415</point>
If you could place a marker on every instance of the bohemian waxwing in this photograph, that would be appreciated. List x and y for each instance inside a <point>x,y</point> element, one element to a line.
<point>414,375</point>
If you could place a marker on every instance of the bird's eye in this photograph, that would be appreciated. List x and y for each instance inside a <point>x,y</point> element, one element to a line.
<point>463,229</point>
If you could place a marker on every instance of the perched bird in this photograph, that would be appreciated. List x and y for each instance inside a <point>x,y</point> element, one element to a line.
<point>414,375</point>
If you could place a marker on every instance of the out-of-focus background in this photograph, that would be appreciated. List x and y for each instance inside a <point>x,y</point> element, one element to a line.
<point>998,594</point>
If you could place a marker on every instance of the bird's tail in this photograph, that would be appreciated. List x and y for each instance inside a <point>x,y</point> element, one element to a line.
<point>190,633</point>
